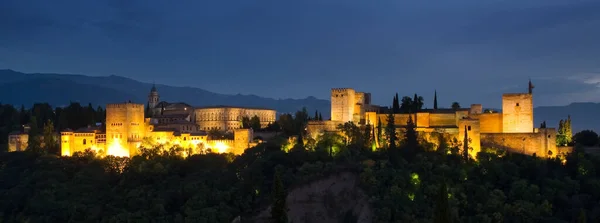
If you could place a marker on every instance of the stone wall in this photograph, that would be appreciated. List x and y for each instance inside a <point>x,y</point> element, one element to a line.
<point>490,122</point>
<point>527,143</point>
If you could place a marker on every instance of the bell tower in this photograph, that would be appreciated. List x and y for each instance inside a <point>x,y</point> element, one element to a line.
<point>153,98</point>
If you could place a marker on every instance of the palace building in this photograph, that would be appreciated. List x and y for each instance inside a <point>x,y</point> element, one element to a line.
<point>512,129</point>
<point>130,125</point>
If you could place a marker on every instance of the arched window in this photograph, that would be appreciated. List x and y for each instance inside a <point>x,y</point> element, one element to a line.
<point>84,142</point>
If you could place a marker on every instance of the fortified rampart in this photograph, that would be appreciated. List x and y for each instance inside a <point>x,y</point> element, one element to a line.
<point>542,142</point>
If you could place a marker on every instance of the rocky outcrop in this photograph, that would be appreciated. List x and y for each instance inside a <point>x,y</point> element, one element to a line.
<point>334,199</point>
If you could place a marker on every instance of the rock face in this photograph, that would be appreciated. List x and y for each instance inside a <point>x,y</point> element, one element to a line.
<point>334,199</point>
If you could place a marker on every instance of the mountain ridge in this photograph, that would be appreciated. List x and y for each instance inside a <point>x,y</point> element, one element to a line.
<point>59,89</point>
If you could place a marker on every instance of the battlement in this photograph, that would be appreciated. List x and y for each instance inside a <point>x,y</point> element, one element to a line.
<point>516,94</point>
<point>341,90</point>
<point>125,105</point>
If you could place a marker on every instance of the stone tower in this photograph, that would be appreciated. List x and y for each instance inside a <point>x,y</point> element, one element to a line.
<point>153,98</point>
<point>125,128</point>
<point>342,104</point>
<point>517,112</point>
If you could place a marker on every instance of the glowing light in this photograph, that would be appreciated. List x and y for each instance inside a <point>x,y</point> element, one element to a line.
<point>414,179</point>
<point>115,149</point>
<point>221,147</point>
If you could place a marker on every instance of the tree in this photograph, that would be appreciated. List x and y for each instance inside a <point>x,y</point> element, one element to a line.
<point>379,130</point>
<point>316,118</point>
<point>568,131</point>
<point>367,136</point>
<point>466,145</point>
<point>564,135</point>
<point>455,105</point>
<point>417,103</point>
<point>278,209</point>
<point>406,105</point>
<point>50,141</point>
<point>435,105</point>
<point>255,123</point>
<point>390,131</point>
<point>410,136</point>
<point>352,133</point>
<point>586,138</point>
<point>320,117</point>
<point>441,212</point>
<point>396,105</point>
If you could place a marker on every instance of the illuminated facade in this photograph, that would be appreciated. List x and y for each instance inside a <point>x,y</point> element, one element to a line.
<point>512,129</point>
<point>226,118</point>
<point>169,125</point>
<point>124,140</point>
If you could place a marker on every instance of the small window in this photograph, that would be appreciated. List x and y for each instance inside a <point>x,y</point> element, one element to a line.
<point>469,128</point>
<point>517,104</point>
<point>84,142</point>
<point>548,136</point>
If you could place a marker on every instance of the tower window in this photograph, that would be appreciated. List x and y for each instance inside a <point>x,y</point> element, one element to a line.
<point>517,104</point>
<point>84,142</point>
<point>469,128</point>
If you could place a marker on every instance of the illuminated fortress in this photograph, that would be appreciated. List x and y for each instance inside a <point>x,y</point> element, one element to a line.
<point>168,124</point>
<point>513,129</point>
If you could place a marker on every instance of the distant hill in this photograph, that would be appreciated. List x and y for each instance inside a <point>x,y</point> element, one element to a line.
<point>59,89</point>
<point>583,115</point>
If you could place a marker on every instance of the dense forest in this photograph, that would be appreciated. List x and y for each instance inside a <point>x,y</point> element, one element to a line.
<point>407,180</point>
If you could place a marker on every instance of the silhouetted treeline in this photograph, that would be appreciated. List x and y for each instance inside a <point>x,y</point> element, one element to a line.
<point>74,116</point>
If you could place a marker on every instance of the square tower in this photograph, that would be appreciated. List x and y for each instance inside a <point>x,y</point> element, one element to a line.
<point>342,104</point>
<point>517,113</point>
<point>125,127</point>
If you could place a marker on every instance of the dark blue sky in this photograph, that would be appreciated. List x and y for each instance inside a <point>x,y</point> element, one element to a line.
<point>469,50</point>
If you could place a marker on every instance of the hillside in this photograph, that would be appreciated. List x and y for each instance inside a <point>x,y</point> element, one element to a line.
<point>58,89</point>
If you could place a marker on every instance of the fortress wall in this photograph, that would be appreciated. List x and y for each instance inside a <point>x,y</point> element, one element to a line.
<point>460,115</point>
<point>526,143</point>
<point>473,132</point>
<point>490,122</point>
<point>423,119</point>
<point>442,119</point>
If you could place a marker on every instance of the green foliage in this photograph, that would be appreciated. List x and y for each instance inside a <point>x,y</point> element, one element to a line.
<point>279,208</point>
<point>441,213</point>
<point>586,138</point>
<point>455,105</point>
<point>390,132</point>
<point>564,135</point>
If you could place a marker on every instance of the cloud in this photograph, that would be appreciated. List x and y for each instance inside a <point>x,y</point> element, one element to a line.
<point>470,50</point>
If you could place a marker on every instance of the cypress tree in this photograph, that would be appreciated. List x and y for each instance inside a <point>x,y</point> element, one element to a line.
<point>316,115</point>
<point>391,131</point>
<point>278,209</point>
<point>435,100</point>
<point>410,135</point>
<point>568,131</point>
<point>379,130</point>
<point>441,212</point>
<point>320,117</point>
<point>396,104</point>
<point>416,103</point>
<point>466,145</point>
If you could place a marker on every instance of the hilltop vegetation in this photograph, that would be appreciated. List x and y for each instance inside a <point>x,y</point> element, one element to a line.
<point>404,183</point>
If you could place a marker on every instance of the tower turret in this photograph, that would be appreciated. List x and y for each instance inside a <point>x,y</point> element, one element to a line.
<point>153,97</point>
